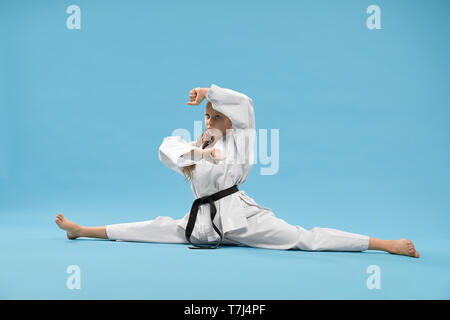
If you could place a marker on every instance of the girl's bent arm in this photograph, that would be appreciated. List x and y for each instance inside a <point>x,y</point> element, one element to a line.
<point>172,150</point>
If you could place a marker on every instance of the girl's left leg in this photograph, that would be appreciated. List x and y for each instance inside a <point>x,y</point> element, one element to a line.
<point>265,230</point>
<point>402,246</point>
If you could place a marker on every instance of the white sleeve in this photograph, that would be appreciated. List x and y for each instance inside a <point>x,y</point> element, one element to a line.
<point>239,108</point>
<point>172,150</point>
<point>235,105</point>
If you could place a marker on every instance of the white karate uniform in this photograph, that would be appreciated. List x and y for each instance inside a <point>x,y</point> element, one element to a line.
<point>241,220</point>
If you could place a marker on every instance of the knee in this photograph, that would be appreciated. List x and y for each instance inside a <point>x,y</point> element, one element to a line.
<point>162,220</point>
<point>284,239</point>
<point>310,239</point>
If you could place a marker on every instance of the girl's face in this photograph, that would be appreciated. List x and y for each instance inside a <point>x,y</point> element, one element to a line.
<point>216,120</point>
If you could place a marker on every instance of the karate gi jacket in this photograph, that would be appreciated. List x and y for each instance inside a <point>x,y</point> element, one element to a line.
<point>237,148</point>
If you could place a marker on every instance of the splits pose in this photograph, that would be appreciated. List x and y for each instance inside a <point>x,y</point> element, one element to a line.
<point>216,164</point>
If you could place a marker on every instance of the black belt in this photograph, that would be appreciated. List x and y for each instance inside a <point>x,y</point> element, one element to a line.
<point>194,210</point>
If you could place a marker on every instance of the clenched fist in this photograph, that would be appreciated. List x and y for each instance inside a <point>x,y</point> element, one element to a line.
<point>212,155</point>
<point>196,96</point>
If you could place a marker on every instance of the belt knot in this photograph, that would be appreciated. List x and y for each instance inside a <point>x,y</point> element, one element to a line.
<point>194,210</point>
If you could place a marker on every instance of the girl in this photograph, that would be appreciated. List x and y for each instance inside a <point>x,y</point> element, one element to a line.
<point>215,164</point>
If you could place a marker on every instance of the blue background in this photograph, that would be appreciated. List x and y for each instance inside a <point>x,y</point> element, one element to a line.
<point>364,143</point>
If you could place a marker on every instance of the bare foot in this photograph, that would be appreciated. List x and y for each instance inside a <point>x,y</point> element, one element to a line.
<point>404,247</point>
<point>73,229</point>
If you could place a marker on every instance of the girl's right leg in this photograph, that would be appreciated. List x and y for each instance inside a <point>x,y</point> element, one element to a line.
<point>162,229</point>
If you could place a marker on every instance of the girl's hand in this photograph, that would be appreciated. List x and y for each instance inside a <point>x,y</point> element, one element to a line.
<point>212,155</point>
<point>216,154</point>
<point>212,134</point>
<point>196,96</point>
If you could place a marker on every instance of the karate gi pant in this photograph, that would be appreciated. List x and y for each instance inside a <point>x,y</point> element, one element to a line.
<point>264,230</point>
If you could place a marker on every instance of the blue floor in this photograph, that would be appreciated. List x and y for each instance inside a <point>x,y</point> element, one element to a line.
<point>36,255</point>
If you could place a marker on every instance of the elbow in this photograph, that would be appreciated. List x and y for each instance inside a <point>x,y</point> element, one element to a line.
<point>161,154</point>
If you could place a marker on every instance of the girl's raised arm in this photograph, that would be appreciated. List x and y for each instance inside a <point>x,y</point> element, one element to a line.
<point>235,105</point>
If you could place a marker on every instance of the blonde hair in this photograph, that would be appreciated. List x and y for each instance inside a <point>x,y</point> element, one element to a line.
<point>187,171</point>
